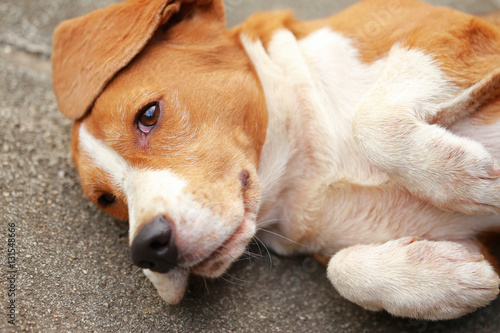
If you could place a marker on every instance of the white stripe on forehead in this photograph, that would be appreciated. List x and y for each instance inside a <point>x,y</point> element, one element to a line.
<point>149,192</point>
<point>104,157</point>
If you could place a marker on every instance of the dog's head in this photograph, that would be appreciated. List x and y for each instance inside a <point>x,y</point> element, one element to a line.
<point>169,124</point>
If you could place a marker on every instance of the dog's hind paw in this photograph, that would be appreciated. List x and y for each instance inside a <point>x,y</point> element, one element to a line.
<point>417,279</point>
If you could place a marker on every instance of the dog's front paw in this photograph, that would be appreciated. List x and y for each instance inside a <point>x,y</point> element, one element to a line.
<point>171,286</point>
<point>461,175</point>
<point>417,279</point>
<point>450,172</point>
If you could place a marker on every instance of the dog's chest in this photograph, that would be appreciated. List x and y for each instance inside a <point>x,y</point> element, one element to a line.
<point>312,87</point>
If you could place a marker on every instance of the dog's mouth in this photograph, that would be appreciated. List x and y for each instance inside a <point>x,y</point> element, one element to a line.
<point>172,285</point>
<point>195,238</point>
<point>216,262</point>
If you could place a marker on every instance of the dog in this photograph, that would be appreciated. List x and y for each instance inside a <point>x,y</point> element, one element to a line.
<point>368,139</point>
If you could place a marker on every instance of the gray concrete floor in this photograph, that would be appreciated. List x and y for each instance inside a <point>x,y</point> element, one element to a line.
<point>73,268</point>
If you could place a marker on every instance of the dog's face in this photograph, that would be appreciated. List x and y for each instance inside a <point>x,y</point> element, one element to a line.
<point>172,144</point>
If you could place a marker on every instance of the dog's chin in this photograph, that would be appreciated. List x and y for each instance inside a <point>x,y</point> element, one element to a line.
<point>171,286</point>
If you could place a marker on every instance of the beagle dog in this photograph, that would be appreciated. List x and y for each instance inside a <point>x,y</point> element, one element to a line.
<point>369,139</point>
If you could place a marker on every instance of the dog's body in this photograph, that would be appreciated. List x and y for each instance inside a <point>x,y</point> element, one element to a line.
<point>344,138</point>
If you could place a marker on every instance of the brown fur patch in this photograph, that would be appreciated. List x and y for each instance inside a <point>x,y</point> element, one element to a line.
<point>213,117</point>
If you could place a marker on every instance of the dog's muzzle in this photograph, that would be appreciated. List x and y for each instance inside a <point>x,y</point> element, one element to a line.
<point>154,246</point>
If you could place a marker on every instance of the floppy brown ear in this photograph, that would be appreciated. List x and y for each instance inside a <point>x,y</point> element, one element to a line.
<point>89,51</point>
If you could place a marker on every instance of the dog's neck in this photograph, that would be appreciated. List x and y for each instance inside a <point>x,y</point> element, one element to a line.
<point>286,155</point>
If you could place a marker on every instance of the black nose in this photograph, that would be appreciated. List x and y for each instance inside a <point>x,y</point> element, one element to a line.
<point>154,246</point>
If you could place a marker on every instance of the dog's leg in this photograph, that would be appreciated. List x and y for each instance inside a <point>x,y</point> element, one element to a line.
<point>431,280</point>
<point>400,128</point>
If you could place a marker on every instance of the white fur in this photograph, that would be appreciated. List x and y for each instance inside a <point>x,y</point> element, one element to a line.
<point>303,82</point>
<point>320,193</point>
<point>159,192</point>
<point>411,278</point>
<point>391,126</point>
<point>171,286</point>
<point>104,157</point>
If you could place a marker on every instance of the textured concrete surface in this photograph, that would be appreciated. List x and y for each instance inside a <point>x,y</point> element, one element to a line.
<point>72,270</point>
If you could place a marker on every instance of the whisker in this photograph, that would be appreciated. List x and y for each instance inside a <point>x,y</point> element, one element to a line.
<point>248,256</point>
<point>234,278</point>
<point>261,222</point>
<point>281,236</point>
<point>145,282</point>
<point>138,270</point>
<point>131,264</point>
<point>268,253</point>
<point>206,285</point>
<point>252,255</point>
<point>258,245</point>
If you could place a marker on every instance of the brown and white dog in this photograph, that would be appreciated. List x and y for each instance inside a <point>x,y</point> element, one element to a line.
<point>369,138</point>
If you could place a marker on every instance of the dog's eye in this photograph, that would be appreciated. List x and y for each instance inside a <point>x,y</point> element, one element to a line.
<point>106,200</point>
<point>148,117</point>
